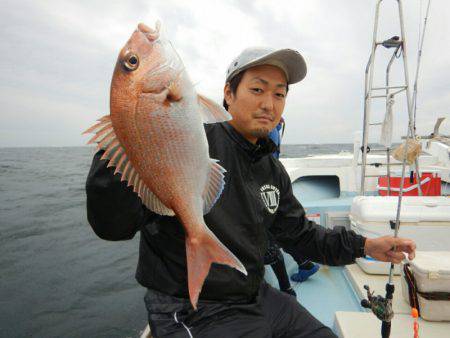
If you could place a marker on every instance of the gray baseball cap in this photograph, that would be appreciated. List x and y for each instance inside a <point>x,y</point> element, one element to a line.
<point>289,60</point>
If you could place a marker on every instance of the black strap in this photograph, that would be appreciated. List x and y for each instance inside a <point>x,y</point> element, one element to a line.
<point>435,295</point>
<point>412,287</point>
<point>413,292</point>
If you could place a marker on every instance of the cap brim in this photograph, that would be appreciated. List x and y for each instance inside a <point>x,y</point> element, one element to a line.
<point>289,60</point>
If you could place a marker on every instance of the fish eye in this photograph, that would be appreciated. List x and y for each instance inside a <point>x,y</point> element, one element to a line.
<point>131,61</point>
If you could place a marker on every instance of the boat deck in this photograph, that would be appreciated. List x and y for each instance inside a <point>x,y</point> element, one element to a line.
<point>328,286</point>
<point>342,289</point>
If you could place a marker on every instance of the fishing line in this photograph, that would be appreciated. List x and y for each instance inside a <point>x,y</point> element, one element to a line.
<point>419,56</point>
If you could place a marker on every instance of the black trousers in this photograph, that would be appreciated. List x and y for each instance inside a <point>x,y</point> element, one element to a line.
<point>273,315</point>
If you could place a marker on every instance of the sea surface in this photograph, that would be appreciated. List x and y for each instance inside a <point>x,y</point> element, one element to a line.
<point>57,278</point>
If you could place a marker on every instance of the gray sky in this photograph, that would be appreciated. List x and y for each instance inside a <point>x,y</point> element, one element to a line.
<point>58,57</point>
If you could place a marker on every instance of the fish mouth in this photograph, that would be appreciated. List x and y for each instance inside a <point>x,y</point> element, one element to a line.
<point>150,33</point>
<point>153,91</point>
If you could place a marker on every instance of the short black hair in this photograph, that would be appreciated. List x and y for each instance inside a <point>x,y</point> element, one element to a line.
<point>234,83</point>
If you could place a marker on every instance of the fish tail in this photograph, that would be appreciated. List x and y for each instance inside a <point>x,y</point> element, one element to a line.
<point>201,252</point>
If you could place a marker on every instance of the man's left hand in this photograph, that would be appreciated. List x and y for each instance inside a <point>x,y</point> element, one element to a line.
<point>382,249</point>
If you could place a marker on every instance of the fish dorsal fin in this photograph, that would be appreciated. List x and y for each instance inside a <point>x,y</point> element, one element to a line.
<point>211,111</point>
<point>115,153</point>
<point>214,185</point>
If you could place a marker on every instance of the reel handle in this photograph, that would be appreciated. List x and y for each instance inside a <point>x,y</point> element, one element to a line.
<point>365,303</point>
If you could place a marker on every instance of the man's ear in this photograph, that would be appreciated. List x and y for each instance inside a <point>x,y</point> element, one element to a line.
<point>227,93</point>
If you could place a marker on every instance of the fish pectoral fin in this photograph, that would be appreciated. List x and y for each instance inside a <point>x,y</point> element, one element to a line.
<point>174,93</point>
<point>211,111</point>
<point>200,254</point>
<point>214,185</point>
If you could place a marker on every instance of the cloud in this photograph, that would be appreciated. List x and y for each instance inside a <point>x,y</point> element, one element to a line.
<point>58,58</point>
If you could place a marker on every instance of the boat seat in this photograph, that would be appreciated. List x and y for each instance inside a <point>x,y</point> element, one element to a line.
<point>365,324</point>
<point>377,283</point>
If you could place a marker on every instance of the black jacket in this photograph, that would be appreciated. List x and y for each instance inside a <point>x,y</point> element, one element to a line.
<point>257,198</point>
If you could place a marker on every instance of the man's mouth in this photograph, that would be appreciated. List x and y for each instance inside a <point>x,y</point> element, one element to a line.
<point>266,118</point>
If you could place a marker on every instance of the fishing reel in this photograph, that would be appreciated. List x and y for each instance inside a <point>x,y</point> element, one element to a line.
<point>380,306</point>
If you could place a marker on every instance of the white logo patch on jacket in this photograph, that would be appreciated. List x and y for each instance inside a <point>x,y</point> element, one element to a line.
<point>271,197</point>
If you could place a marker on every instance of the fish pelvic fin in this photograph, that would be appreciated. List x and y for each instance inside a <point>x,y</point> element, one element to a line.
<point>115,153</point>
<point>201,252</point>
<point>211,112</point>
<point>214,185</point>
<point>152,202</point>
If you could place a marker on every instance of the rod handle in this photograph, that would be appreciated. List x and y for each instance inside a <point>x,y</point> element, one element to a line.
<point>385,329</point>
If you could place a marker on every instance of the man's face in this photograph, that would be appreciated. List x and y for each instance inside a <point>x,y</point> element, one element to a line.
<point>259,101</point>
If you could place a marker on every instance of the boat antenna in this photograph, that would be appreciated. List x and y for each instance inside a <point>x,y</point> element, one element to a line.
<point>419,58</point>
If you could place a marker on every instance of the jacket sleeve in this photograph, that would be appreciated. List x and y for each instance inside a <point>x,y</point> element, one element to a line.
<point>114,211</point>
<point>304,239</point>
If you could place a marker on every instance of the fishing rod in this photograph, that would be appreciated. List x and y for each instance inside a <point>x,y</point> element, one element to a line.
<point>382,306</point>
<point>419,58</point>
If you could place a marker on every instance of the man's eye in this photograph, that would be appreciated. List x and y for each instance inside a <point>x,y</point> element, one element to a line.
<point>281,95</point>
<point>257,90</point>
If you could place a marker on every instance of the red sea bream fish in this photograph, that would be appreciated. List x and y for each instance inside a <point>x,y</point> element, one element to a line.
<point>154,137</point>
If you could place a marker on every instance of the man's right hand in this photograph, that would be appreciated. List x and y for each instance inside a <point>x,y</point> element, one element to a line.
<point>382,249</point>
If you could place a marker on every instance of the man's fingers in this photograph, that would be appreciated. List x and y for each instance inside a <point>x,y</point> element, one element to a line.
<point>395,257</point>
<point>405,245</point>
<point>395,254</point>
<point>382,248</point>
<point>411,255</point>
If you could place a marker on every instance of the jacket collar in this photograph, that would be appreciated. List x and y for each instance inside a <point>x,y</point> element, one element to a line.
<point>263,147</point>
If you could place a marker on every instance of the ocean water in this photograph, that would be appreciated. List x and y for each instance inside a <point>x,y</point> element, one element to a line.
<point>57,279</point>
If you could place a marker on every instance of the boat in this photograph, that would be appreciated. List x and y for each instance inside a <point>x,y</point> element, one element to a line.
<point>328,195</point>
<point>346,189</point>
<point>330,189</point>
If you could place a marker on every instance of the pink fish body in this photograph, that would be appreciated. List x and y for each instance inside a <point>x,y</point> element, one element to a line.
<point>154,137</point>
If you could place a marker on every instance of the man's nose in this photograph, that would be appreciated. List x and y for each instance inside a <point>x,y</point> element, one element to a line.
<point>267,103</point>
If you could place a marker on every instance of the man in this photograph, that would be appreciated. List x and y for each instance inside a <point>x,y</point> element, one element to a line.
<point>257,197</point>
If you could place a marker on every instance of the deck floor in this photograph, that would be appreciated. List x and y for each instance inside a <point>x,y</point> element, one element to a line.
<point>324,293</point>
